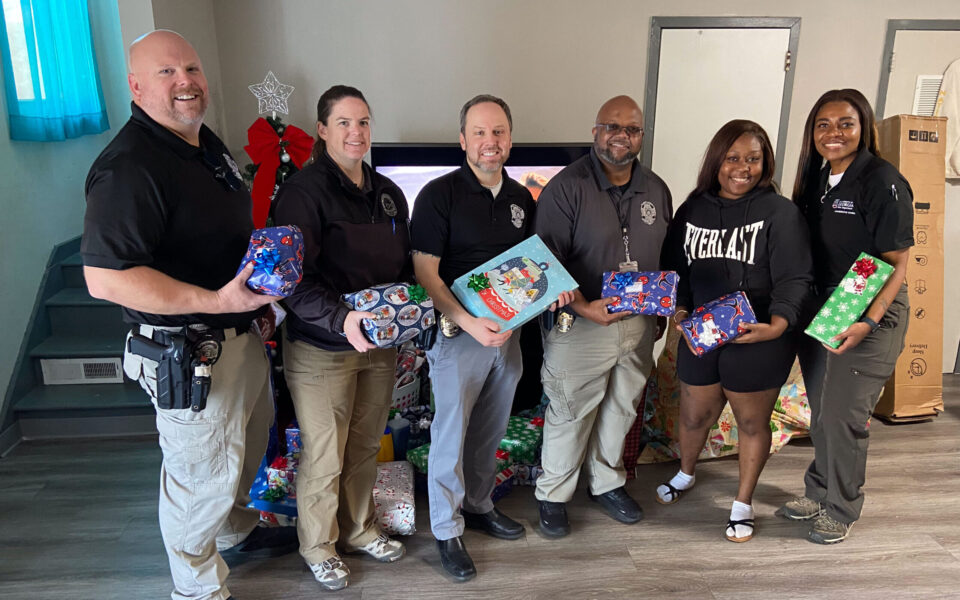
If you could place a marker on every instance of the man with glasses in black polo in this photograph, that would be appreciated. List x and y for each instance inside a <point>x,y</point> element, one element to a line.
<point>604,212</point>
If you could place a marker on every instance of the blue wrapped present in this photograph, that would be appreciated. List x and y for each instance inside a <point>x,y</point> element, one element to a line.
<point>277,256</point>
<point>718,322</point>
<point>402,312</point>
<point>514,286</point>
<point>641,293</point>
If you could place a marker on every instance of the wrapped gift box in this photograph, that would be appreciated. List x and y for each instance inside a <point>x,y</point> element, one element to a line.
<point>526,474</point>
<point>393,498</point>
<point>850,300</point>
<point>515,286</point>
<point>523,439</point>
<point>419,458</point>
<point>293,439</point>
<point>282,474</point>
<point>718,322</point>
<point>641,293</point>
<point>277,257</point>
<point>402,312</point>
<point>503,484</point>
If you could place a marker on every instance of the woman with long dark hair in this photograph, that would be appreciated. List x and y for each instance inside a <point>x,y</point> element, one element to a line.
<point>355,235</point>
<point>854,201</point>
<point>736,233</point>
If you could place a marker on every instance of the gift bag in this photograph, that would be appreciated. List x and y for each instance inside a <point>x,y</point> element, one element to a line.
<point>393,498</point>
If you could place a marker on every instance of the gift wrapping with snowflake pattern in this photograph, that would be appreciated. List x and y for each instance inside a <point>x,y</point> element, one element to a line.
<point>850,299</point>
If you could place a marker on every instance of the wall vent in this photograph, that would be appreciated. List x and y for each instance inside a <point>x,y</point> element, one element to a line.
<point>65,371</point>
<point>926,94</point>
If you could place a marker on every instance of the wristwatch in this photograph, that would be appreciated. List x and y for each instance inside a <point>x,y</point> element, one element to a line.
<point>873,324</point>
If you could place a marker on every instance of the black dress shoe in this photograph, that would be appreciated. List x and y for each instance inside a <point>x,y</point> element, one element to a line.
<point>619,505</point>
<point>553,519</point>
<point>263,542</point>
<point>493,523</point>
<point>455,560</point>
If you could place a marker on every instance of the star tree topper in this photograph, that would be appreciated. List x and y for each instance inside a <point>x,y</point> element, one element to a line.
<point>272,95</point>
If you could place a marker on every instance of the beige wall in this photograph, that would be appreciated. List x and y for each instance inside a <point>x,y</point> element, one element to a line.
<point>555,61</point>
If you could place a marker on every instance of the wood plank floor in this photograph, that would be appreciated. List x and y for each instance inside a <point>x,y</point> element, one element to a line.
<point>78,520</point>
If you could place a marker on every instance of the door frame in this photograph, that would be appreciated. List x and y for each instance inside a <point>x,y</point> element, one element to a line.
<point>658,24</point>
<point>886,63</point>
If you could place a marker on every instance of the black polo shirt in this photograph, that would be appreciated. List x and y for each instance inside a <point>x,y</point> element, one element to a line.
<point>459,220</point>
<point>154,200</point>
<point>870,210</point>
<point>580,215</point>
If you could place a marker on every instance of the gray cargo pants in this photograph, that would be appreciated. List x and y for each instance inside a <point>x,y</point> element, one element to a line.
<point>843,390</point>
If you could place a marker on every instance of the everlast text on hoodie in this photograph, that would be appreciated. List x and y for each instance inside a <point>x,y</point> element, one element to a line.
<point>758,244</point>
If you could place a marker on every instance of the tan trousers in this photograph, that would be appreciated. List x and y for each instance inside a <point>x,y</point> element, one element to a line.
<point>210,459</point>
<point>594,377</point>
<point>342,401</point>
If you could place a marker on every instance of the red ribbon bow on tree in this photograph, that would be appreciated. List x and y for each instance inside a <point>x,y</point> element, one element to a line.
<point>865,267</point>
<point>264,150</point>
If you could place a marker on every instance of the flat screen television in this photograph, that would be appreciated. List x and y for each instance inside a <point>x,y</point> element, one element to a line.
<point>411,166</point>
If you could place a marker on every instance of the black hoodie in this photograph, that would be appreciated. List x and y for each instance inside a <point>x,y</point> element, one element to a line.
<point>758,244</point>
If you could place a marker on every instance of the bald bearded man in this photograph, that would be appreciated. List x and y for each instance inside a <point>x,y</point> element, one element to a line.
<point>604,212</point>
<point>167,222</point>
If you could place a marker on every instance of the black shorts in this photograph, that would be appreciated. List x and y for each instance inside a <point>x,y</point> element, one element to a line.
<point>740,367</point>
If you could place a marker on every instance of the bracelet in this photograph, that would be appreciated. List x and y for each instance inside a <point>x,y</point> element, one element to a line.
<point>873,324</point>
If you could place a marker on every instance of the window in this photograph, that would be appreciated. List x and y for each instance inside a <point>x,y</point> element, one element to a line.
<point>50,70</point>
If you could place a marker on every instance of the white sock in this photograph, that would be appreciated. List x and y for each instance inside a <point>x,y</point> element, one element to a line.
<point>738,512</point>
<point>680,481</point>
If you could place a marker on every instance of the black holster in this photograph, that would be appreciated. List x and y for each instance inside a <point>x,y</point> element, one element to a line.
<point>183,362</point>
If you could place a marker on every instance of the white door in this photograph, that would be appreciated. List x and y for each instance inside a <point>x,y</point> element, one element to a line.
<point>706,78</point>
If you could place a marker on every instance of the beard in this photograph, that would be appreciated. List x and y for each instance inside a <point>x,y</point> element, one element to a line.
<point>607,156</point>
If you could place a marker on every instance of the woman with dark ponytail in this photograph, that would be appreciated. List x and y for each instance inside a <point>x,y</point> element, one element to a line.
<point>853,201</point>
<point>354,224</point>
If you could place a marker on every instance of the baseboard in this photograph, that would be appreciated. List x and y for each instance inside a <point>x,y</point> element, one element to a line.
<point>9,439</point>
<point>54,428</point>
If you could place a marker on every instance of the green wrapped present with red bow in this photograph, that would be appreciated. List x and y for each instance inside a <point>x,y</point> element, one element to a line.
<point>419,457</point>
<point>523,439</point>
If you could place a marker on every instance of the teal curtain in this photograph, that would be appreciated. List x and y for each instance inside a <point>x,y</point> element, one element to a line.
<point>50,70</point>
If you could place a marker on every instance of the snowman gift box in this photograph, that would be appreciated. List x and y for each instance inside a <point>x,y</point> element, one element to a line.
<point>277,257</point>
<point>514,286</point>
<point>641,293</point>
<point>401,312</point>
<point>718,322</point>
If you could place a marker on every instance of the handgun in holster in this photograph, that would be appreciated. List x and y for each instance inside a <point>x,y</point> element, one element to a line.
<point>184,364</point>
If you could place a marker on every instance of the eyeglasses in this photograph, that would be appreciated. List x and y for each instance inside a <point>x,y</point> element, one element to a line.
<point>615,128</point>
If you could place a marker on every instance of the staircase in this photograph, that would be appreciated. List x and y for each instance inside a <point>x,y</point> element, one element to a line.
<point>68,323</point>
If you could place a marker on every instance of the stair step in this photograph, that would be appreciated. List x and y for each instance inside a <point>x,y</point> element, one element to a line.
<point>72,346</point>
<point>72,270</point>
<point>83,397</point>
<point>76,296</point>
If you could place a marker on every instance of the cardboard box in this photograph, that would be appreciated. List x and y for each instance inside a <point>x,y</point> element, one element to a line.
<point>916,146</point>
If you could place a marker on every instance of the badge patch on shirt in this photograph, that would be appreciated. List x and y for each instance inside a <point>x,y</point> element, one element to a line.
<point>843,207</point>
<point>389,206</point>
<point>648,212</point>
<point>516,216</point>
<point>233,166</point>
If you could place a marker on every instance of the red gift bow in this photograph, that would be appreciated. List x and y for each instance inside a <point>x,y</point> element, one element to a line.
<point>865,267</point>
<point>538,421</point>
<point>264,151</point>
<point>503,454</point>
<point>279,463</point>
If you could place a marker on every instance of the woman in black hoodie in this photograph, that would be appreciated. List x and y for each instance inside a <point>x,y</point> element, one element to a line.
<point>735,233</point>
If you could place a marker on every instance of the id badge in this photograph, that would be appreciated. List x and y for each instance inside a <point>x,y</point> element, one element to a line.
<point>630,266</point>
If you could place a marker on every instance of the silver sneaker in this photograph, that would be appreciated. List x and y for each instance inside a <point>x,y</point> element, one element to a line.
<point>801,508</point>
<point>331,574</point>
<point>383,549</point>
<point>827,530</point>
